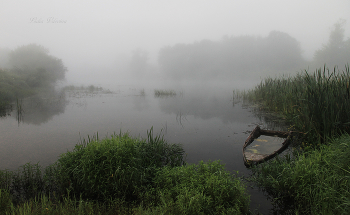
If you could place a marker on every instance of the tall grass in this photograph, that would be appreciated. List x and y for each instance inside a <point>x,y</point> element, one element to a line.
<point>117,167</point>
<point>122,175</point>
<point>205,188</point>
<point>318,181</point>
<point>317,104</point>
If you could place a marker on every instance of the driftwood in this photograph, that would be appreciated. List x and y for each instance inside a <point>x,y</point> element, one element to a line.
<point>252,158</point>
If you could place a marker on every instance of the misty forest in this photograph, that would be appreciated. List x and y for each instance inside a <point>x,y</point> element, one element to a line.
<point>167,137</point>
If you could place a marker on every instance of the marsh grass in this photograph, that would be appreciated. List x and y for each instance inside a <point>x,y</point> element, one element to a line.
<point>205,188</point>
<point>318,181</point>
<point>316,104</point>
<point>122,175</point>
<point>164,93</point>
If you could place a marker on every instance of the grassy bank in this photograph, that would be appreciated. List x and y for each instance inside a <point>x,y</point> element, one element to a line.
<point>316,104</point>
<point>314,180</point>
<point>123,175</point>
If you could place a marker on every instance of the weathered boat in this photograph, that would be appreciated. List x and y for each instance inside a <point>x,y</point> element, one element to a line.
<point>251,158</point>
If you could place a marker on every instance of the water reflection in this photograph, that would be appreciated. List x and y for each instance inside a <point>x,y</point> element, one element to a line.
<point>40,108</point>
<point>203,105</point>
<point>5,110</point>
<point>209,124</point>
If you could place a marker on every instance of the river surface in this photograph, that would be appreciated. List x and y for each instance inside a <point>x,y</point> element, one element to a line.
<point>210,126</point>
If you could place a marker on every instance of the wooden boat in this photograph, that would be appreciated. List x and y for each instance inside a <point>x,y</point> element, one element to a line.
<point>256,158</point>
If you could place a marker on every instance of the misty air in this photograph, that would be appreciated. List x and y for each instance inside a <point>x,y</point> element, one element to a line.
<point>175,107</point>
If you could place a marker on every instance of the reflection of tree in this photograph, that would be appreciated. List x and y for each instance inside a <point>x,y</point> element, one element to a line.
<point>202,106</point>
<point>5,110</point>
<point>40,108</point>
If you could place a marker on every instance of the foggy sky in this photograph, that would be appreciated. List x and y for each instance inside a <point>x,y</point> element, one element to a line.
<point>95,35</point>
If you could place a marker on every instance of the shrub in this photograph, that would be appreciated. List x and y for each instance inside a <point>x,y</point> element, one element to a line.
<point>117,167</point>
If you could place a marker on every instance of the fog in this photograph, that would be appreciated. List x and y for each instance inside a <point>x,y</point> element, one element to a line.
<point>110,42</point>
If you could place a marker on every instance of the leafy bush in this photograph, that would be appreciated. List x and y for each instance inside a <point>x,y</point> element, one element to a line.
<point>117,167</point>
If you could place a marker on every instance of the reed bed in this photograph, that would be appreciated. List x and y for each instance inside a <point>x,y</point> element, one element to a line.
<point>316,104</point>
<point>164,93</point>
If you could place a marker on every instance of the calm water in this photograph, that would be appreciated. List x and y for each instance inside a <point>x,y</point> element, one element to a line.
<point>210,126</point>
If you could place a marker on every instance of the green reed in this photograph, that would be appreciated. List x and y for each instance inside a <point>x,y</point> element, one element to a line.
<point>316,104</point>
<point>164,93</point>
<point>316,181</point>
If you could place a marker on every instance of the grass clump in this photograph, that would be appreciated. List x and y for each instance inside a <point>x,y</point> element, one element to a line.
<point>164,93</point>
<point>318,181</point>
<point>117,167</point>
<point>316,104</point>
<point>205,188</point>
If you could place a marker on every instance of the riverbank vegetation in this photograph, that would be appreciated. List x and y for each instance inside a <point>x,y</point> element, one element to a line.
<point>123,175</point>
<point>316,103</point>
<point>313,182</point>
<point>315,178</point>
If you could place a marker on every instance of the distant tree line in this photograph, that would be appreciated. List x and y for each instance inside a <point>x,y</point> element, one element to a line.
<point>241,56</point>
<point>250,56</point>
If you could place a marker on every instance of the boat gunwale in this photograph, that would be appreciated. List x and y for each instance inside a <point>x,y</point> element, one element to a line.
<point>258,132</point>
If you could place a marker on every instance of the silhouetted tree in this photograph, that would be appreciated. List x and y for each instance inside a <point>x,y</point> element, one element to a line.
<point>36,66</point>
<point>337,51</point>
<point>139,62</point>
<point>281,52</point>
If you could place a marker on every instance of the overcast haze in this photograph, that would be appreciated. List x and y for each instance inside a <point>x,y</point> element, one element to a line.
<point>95,35</point>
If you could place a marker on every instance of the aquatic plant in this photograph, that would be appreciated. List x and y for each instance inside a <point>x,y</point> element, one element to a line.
<point>164,93</point>
<point>316,104</point>
<point>88,89</point>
